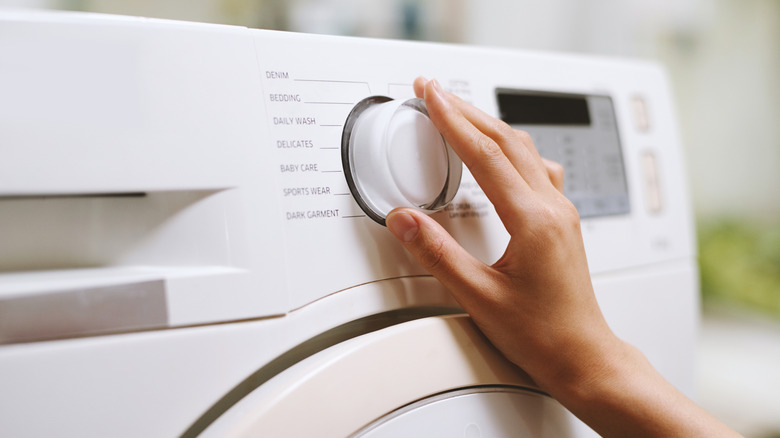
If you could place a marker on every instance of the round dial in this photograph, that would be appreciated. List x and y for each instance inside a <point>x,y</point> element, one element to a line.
<point>393,156</point>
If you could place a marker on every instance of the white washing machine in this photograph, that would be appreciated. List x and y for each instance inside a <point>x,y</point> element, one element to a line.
<point>184,251</point>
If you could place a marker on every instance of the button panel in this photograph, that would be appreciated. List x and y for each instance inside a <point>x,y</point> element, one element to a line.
<point>588,147</point>
<point>653,198</point>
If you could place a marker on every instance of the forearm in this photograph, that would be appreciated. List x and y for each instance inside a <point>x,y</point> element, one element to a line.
<point>628,397</point>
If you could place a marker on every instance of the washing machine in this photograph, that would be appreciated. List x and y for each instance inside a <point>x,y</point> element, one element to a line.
<point>188,249</point>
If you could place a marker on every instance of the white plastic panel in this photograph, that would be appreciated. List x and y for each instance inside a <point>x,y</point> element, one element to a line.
<point>228,139</point>
<point>331,74</point>
<point>160,382</point>
<point>157,383</point>
<point>376,374</point>
<point>95,105</point>
<point>234,136</point>
<point>474,413</point>
<point>132,149</point>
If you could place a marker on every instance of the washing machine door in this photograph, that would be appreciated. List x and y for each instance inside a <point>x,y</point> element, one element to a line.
<point>431,377</point>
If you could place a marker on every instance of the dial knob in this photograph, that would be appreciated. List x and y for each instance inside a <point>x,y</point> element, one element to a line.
<point>393,156</point>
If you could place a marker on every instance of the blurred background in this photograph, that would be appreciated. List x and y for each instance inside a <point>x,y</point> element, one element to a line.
<point>723,57</point>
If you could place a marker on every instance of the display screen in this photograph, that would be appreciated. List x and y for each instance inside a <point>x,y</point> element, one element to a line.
<point>543,109</point>
<point>580,132</point>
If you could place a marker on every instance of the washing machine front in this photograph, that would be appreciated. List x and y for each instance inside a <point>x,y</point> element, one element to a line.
<point>191,219</point>
<point>433,376</point>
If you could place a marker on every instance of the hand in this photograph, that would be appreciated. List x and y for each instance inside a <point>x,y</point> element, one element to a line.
<point>536,303</point>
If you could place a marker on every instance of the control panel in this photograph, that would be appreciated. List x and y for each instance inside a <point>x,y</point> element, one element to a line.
<point>250,174</point>
<point>341,92</point>
<point>579,132</point>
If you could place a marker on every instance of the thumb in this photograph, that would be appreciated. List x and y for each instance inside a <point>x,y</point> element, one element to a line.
<point>434,248</point>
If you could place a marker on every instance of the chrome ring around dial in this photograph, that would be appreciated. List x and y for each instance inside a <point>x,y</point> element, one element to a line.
<point>393,156</point>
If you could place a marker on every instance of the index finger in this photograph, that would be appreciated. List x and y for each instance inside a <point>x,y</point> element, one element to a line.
<point>516,145</point>
<point>492,169</point>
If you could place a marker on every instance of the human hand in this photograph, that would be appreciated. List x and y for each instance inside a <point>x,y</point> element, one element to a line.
<point>536,304</point>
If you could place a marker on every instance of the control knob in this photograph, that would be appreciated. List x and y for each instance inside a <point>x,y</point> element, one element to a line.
<point>393,156</point>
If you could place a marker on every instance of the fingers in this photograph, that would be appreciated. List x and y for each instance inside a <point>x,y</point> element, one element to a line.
<point>516,145</point>
<point>555,173</point>
<point>490,166</point>
<point>438,252</point>
<point>419,86</point>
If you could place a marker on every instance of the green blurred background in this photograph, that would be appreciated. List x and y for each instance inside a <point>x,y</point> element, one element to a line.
<point>740,264</point>
<point>723,58</point>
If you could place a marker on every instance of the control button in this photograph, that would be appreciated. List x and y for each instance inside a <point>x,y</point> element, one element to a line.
<point>639,107</point>
<point>652,186</point>
<point>393,156</point>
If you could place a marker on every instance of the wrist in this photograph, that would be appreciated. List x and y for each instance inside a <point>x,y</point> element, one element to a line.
<point>620,394</point>
<point>609,384</point>
<point>591,372</point>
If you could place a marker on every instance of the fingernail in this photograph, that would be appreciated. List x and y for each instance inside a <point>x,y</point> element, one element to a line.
<point>402,225</point>
<point>438,93</point>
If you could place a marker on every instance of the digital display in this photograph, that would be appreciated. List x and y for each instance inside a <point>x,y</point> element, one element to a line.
<point>543,109</point>
<point>580,132</point>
